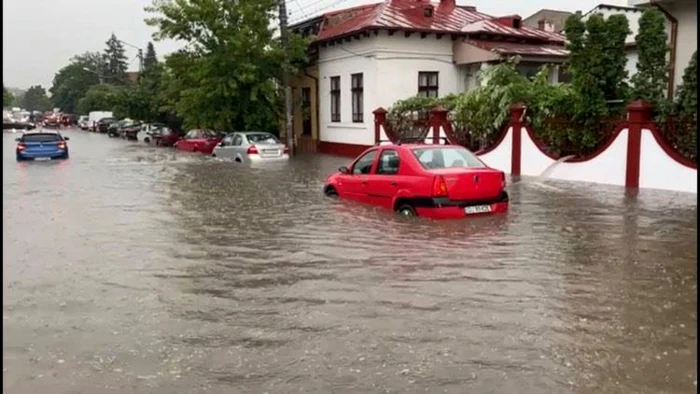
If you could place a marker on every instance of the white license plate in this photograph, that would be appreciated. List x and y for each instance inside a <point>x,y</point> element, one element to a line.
<point>477,209</point>
<point>42,158</point>
<point>271,151</point>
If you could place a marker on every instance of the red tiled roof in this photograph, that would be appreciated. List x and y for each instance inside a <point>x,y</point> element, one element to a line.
<point>409,15</point>
<point>513,48</point>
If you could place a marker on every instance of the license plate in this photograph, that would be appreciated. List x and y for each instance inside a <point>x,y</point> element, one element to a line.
<point>477,209</point>
<point>42,158</point>
<point>271,151</point>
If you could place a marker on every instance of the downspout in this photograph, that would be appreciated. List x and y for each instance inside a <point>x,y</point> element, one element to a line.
<point>672,54</point>
<point>316,112</point>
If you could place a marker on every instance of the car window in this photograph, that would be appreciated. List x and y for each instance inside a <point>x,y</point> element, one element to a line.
<point>388,162</point>
<point>457,157</point>
<point>237,140</point>
<point>262,138</point>
<point>228,140</point>
<point>364,164</point>
<point>208,134</point>
<point>41,137</point>
<point>191,134</point>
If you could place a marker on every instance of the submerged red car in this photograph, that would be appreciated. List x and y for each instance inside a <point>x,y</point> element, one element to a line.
<point>199,140</point>
<point>433,181</point>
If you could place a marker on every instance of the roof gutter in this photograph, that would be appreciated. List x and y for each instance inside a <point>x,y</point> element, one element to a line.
<point>674,44</point>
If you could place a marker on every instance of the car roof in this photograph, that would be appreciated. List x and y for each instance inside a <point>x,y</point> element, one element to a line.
<point>41,132</point>
<point>419,146</point>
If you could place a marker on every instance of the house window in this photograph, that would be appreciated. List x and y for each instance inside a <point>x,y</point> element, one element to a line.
<point>335,99</point>
<point>357,99</point>
<point>428,83</point>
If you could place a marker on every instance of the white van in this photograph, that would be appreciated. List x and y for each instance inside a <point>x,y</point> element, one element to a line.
<point>94,116</point>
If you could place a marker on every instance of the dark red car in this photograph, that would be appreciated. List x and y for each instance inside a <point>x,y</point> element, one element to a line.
<point>165,137</point>
<point>199,140</point>
<point>434,181</point>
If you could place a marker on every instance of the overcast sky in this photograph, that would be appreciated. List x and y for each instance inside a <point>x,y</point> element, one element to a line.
<point>40,36</point>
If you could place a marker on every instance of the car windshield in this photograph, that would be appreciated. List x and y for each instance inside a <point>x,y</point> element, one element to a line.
<point>108,120</point>
<point>453,157</point>
<point>262,138</point>
<point>41,137</point>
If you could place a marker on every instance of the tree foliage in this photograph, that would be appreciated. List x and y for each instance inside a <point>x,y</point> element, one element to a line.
<point>150,59</point>
<point>115,61</point>
<point>686,105</point>
<point>72,82</point>
<point>35,99</point>
<point>597,64</point>
<point>228,76</point>
<point>7,97</point>
<point>651,80</point>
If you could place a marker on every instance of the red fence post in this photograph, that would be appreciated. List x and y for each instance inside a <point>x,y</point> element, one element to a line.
<point>517,111</point>
<point>438,116</point>
<point>638,114</point>
<point>379,120</point>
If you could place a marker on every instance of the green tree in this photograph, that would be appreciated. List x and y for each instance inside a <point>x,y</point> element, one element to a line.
<point>72,81</point>
<point>228,76</point>
<point>687,95</point>
<point>101,98</point>
<point>35,99</point>
<point>150,59</point>
<point>7,97</point>
<point>115,64</point>
<point>651,80</point>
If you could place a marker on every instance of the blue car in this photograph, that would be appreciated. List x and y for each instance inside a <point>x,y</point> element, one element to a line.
<point>42,145</point>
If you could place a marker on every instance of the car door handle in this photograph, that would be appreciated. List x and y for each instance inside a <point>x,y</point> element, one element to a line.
<point>364,182</point>
<point>393,183</point>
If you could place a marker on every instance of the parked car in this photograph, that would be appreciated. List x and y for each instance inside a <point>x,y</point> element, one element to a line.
<point>199,140</point>
<point>251,146</point>
<point>147,130</point>
<point>41,145</point>
<point>83,122</point>
<point>102,125</point>
<point>434,181</point>
<point>113,128</point>
<point>165,137</point>
<point>129,130</point>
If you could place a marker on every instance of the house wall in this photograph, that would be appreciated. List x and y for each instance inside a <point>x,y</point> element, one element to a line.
<point>685,11</point>
<point>390,66</point>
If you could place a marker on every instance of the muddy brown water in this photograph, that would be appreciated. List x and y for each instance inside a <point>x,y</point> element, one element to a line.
<point>130,269</point>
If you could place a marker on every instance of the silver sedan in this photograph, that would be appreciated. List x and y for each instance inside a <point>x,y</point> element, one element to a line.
<point>251,147</point>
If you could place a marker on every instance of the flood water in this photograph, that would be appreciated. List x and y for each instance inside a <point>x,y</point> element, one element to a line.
<point>130,269</point>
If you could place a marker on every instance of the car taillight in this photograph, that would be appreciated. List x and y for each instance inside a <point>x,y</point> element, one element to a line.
<point>21,146</point>
<point>439,187</point>
<point>61,145</point>
<point>503,180</point>
<point>252,150</point>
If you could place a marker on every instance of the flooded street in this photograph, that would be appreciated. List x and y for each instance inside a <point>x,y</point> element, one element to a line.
<point>130,269</point>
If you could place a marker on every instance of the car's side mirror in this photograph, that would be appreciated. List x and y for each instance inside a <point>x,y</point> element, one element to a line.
<point>344,170</point>
<point>66,138</point>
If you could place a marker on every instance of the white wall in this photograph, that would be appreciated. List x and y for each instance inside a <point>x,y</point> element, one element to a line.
<point>390,65</point>
<point>685,11</point>
<point>658,170</point>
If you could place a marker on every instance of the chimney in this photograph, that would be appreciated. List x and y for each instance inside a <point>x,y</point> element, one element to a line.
<point>428,11</point>
<point>513,21</point>
<point>447,6</point>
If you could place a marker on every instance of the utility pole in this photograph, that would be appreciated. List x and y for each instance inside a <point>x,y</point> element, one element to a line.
<point>284,35</point>
<point>140,61</point>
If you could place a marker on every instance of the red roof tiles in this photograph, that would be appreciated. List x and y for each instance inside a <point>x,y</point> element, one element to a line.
<point>513,48</point>
<point>424,16</point>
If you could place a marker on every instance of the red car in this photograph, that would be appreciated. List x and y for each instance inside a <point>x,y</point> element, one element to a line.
<point>433,181</point>
<point>200,140</point>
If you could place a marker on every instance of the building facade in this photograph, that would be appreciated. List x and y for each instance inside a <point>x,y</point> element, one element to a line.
<point>374,55</point>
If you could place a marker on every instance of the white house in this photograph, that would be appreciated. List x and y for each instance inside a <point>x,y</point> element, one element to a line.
<point>374,55</point>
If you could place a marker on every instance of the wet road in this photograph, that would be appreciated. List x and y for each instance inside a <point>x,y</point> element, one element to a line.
<point>130,269</point>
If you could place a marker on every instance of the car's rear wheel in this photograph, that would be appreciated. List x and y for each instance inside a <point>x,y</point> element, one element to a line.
<point>330,192</point>
<point>147,140</point>
<point>406,210</point>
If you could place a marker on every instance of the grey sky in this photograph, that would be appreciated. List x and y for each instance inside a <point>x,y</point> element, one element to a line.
<point>40,36</point>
